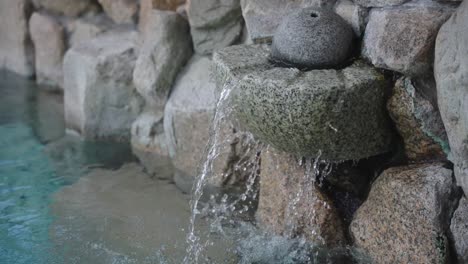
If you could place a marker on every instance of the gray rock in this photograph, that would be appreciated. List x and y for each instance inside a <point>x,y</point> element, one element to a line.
<point>165,50</point>
<point>380,3</point>
<point>149,145</point>
<point>83,29</point>
<point>100,100</point>
<point>214,24</point>
<point>418,122</point>
<point>355,15</point>
<point>262,17</point>
<point>321,111</point>
<point>290,204</point>
<point>16,48</point>
<point>48,37</point>
<point>121,11</point>
<point>402,38</point>
<point>450,67</point>
<point>312,38</point>
<point>71,8</point>
<point>459,228</point>
<point>406,215</point>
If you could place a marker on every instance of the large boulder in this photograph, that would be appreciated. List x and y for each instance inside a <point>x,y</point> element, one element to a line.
<point>418,122</point>
<point>459,228</point>
<point>214,24</point>
<point>313,38</point>
<point>380,3</point>
<point>319,112</point>
<point>292,205</point>
<point>406,216</point>
<point>355,15</point>
<point>165,50</point>
<point>16,48</point>
<point>71,8</point>
<point>451,66</point>
<point>100,99</point>
<point>121,11</point>
<point>262,17</point>
<point>402,38</point>
<point>48,37</point>
<point>83,29</point>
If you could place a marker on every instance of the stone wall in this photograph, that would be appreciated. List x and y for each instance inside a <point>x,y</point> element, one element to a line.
<point>391,119</point>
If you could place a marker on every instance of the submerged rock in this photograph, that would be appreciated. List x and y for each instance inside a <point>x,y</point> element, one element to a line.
<point>290,204</point>
<point>16,48</point>
<point>402,38</point>
<point>214,24</point>
<point>49,45</point>
<point>312,38</point>
<point>326,113</point>
<point>100,99</point>
<point>418,122</point>
<point>459,228</point>
<point>406,216</point>
<point>451,66</point>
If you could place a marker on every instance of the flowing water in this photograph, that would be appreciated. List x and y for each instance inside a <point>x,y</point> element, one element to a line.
<point>64,200</point>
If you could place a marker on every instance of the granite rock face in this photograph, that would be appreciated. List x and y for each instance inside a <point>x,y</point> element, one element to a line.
<point>48,37</point>
<point>83,29</point>
<point>100,99</point>
<point>290,204</point>
<point>312,38</point>
<point>121,11</point>
<point>165,50</point>
<point>450,67</point>
<point>320,112</point>
<point>262,17</point>
<point>72,8</point>
<point>149,145</point>
<point>214,24</point>
<point>402,38</point>
<point>16,48</point>
<point>418,122</point>
<point>459,228</point>
<point>406,216</point>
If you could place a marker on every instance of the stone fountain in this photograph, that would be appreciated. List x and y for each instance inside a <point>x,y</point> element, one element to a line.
<point>304,94</point>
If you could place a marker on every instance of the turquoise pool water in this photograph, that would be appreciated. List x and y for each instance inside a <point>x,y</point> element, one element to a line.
<point>36,160</point>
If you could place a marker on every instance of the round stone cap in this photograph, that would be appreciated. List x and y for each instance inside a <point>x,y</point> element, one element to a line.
<point>312,38</point>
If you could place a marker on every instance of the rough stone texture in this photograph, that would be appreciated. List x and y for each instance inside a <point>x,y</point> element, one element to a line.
<point>290,203</point>
<point>188,116</point>
<point>312,38</point>
<point>418,122</point>
<point>16,49</point>
<point>322,111</point>
<point>451,66</point>
<point>166,48</point>
<point>402,38</point>
<point>262,17</point>
<point>147,5</point>
<point>355,15</point>
<point>84,29</point>
<point>149,144</point>
<point>380,3</point>
<point>72,8</point>
<point>459,228</point>
<point>100,100</point>
<point>49,45</point>
<point>214,24</point>
<point>121,11</point>
<point>406,215</point>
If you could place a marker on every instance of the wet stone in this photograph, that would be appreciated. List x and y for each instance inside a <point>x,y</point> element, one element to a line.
<point>321,112</point>
<point>312,38</point>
